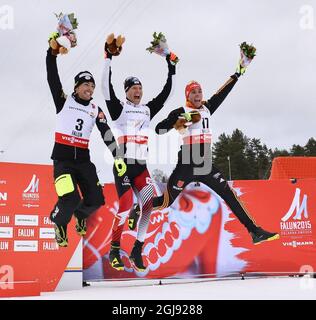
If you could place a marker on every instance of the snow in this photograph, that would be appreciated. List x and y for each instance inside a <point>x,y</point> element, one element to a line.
<point>272,288</point>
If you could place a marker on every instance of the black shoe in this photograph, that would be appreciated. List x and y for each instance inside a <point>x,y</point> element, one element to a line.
<point>81,226</point>
<point>61,235</point>
<point>259,235</point>
<point>115,257</point>
<point>136,256</point>
<point>133,217</point>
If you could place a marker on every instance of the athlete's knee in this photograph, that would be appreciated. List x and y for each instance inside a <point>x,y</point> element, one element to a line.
<point>163,201</point>
<point>95,198</point>
<point>147,206</point>
<point>99,202</point>
<point>158,202</point>
<point>64,185</point>
<point>126,201</point>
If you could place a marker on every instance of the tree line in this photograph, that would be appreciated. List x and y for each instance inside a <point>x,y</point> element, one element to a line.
<point>242,158</point>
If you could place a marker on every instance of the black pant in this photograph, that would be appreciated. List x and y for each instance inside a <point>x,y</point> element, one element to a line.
<point>184,174</point>
<point>85,176</point>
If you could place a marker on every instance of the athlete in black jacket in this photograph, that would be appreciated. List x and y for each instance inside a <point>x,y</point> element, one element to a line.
<point>76,117</point>
<point>194,157</point>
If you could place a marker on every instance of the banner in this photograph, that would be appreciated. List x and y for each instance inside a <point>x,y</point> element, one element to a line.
<point>27,238</point>
<point>199,235</point>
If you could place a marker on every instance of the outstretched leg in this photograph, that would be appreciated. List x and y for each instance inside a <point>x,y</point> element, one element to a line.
<point>125,194</point>
<point>217,182</point>
<point>145,193</point>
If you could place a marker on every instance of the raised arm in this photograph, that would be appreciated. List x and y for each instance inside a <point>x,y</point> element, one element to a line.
<point>157,103</point>
<point>54,80</point>
<point>113,103</point>
<point>216,100</point>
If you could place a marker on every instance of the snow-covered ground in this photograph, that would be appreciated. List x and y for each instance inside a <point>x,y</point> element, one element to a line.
<point>284,288</point>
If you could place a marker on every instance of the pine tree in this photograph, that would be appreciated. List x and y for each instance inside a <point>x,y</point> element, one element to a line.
<point>297,150</point>
<point>310,148</point>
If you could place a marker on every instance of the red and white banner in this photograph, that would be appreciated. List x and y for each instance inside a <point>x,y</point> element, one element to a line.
<point>28,251</point>
<point>199,235</point>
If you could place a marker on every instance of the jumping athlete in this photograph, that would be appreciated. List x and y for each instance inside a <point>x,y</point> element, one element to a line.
<point>76,117</point>
<point>131,119</point>
<point>194,158</point>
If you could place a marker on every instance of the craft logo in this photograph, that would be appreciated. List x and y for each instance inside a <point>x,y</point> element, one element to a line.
<point>31,192</point>
<point>296,221</point>
<point>126,181</point>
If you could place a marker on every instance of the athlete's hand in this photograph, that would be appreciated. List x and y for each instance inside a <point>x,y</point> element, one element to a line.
<point>172,58</point>
<point>247,53</point>
<point>62,44</point>
<point>113,46</point>
<point>181,124</point>
<point>120,166</point>
<point>56,47</point>
<point>192,116</point>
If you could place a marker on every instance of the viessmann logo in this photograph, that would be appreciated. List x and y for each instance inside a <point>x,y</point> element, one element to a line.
<point>295,244</point>
<point>296,221</point>
<point>31,192</point>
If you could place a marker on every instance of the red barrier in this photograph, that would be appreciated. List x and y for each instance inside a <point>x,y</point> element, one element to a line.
<point>293,167</point>
<point>27,242</point>
<point>200,235</point>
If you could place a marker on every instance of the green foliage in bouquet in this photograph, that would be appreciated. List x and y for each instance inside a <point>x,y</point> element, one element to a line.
<point>158,39</point>
<point>248,49</point>
<point>71,17</point>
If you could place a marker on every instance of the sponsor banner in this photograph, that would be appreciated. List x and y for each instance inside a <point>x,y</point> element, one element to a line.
<point>25,246</point>
<point>6,232</point>
<point>26,220</point>
<point>27,242</point>
<point>3,196</point>
<point>49,246</point>
<point>26,232</point>
<point>31,193</point>
<point>200,235</point>
<point>4,219</point>
<point>47,233</point>
<point>298,243</point>
<point>4,245</point>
